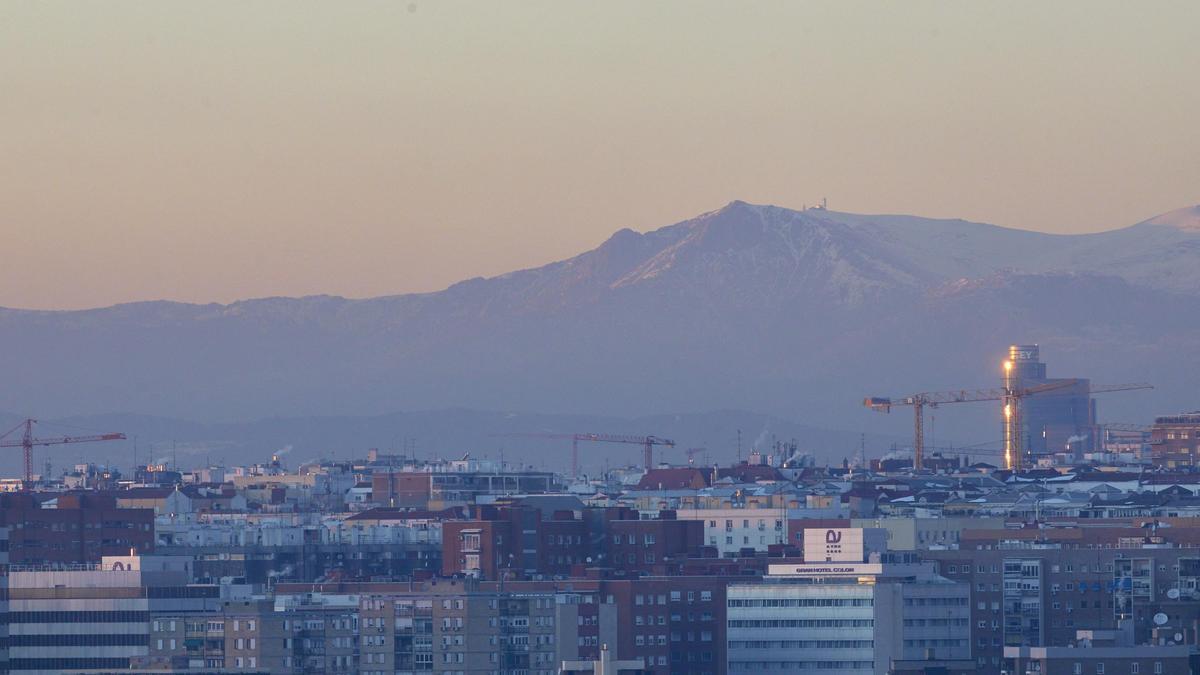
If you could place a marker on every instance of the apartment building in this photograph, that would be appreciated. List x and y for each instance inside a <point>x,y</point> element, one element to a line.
<point>732,530</point>
<point>518,542</point>
<point>1038,587</point>
<point>81,528</point>
<point>1175,441</point>
<point>447,627</point>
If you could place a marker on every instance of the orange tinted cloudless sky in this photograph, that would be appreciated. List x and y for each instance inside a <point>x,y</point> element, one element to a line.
<point>214,151</point>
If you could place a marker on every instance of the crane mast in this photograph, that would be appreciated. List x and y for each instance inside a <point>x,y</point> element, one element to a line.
<point>27,442</point>
<point>1010,396</point>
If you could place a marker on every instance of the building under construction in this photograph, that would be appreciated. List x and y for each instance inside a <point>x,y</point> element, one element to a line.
<point>1050,422</point>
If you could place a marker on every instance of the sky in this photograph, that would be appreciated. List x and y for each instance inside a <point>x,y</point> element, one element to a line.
<point>209,152</point>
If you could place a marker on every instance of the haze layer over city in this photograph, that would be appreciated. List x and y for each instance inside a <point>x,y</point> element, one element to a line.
<point>542,337</point>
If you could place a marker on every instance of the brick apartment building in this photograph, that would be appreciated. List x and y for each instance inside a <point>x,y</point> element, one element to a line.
<point>1175,441</point>
<point>518,542</point>
<point>81,529</point>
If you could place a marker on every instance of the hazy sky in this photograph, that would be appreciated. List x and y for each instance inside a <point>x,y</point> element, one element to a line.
<point>213,151</point>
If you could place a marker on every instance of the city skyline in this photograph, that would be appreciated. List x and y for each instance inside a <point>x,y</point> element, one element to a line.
<point>550,338</point>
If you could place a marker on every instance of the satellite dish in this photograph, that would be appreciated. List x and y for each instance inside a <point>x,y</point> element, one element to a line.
<point>1173,593</point>
<point>1160,619</point>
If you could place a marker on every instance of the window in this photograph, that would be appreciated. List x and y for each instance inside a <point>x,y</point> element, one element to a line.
<point>1099,669</point>
<point>1077,668</point>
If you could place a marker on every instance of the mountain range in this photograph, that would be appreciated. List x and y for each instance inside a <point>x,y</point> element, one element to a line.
<point>794,314</point>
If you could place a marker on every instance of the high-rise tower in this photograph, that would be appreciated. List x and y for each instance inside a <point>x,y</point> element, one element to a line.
<point>1043,424</point>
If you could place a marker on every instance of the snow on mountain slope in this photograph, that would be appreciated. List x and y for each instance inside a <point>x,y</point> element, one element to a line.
<point>1162,252</point>
<point>746,306</point>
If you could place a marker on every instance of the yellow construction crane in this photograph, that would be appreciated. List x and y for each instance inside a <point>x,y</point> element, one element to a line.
<point>1011,397</point>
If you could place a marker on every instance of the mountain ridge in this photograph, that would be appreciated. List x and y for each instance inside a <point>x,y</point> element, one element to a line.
<point>1185,220</point>
<point>798,314</point>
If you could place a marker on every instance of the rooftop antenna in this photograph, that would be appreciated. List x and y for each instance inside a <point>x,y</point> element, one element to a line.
<point>739,448</point>
<point>824,204</point>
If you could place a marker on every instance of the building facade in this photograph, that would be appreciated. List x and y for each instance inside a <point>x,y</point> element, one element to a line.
<point>849,608</point>
<point>96,616</point>
<point>1175,441</point>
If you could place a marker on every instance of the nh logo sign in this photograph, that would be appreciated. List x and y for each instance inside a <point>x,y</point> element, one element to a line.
<point>833,537</point>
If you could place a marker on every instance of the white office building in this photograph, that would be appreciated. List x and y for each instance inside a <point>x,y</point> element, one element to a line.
<point>854,609</point>
<point>94,617</point>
